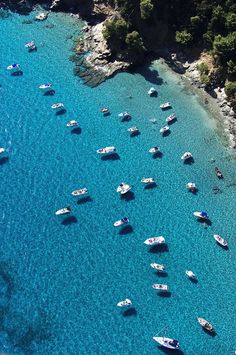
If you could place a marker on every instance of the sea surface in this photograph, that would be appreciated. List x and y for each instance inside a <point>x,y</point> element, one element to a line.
<point>61,278</point>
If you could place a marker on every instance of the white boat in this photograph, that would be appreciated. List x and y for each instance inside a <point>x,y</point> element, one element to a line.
<point>62,211</point>
<point>165,105</point>
<point>164,129</point>
<point>14,66</point>
<point>79,192</point>
<point>148,180</point>
<point>57,105</point>
<point>152,91</point>
<point>72,123</point>
<point>30,45</point>
<point>121,222</point>
<point>190,274</point>
<point>220,240</point>
<point>186,155</point>
<point>123,188</point>
<point>205,324</point>
<point>45,86</point>
<point>167,342</point>
<point>125,303</point>
<point>154,150</point>
<point>171,118</point>
<point>133,129</point>
<point>2,150</point>
<point>106,150</point>
<point>124,115</point>
<point>104,110</point>
<point>160,287</point>
<point>191,186</point>
<point>202,215</point>
<point>155,240</point>
<point>158,267</point>
<point>41,16</point>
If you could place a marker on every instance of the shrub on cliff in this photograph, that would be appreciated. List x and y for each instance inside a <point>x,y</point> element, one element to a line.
<point>146,8</point>
<point>225,46</point>
<point>115,32</point>
<point>183,37</point>
<point>202,68</point>
<point>230,90</point>
<point>135,46</point>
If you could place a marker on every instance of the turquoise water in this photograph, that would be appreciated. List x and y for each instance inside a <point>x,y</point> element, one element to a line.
<point>61,279</point>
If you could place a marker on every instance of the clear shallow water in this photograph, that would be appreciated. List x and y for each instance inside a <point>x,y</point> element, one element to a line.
<point>60,282</point>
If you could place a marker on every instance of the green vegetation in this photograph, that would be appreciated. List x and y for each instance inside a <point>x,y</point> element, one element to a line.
<point>183,37</point>
<point>202,68</point>
<point>230,90</point>
<point>146,8</point>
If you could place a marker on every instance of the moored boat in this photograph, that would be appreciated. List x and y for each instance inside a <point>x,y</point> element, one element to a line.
<point>164,129</point>
<point>2,150</point>
<point>45,86</point>
<point>160,287</point>
<point>123,188</point>
<point>165,106</point>
<point>106,150</point>
<point>150,180</point>
<point>205,324</point>
<point>79,192</point>
<point>104,110</point>
<point>125,115</point>
<point>186,155</point>
<point>190,274</point>
<point>154,150</point>
<point>41,16</point>
<point>218,173</point>
<point>127,302</point>
<point>62,211</point>
<point>220,240</point>
<point>155,240</point>
<point>202,215</point>
<point>121,222</point>
<point>158,267</point>
<point>133,130</point>
<point>167,342</point>
<point>31,46</point>
<point>171,118</point>
<point>57,105</point>
<point>72,123</point>
<point>14,66</point>
<point>152,91</point>
<point>191,186</point>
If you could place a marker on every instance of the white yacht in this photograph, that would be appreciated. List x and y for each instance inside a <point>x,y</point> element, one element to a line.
<point>30,45</point>
<point>72,123</point>
<point>202,215</point>
<point>2,150</point>
<point>57,105</point>
<point>45,86</point>
<point>41,16</point>
<point>205,324</point>
<point>14,66</point>
<point>152,91</point>
<point>186,155</point>
<point>106,150</point>
<point>79,192</point>
<point>158,267</point>
<point>121,222</point>
<point>133,130</point>
<point>154,150</point>
<point>191,186</point>
<point>190,274</point>
<point>160,287</point>
<point>104,110</point>
<point>165,105</point>
<point>125,303</point>
<point>148,180</point>
<point>171,118</point>
<point>123,188</point>
<point>124,115</point>
<point>167,342</point>
<point>220,240</point>
<point>155,240</point>
<point>164,129</point>
<point>62,211</point>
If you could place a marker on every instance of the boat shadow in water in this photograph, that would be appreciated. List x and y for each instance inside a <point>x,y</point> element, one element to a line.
<point>212,334</point>
<point>17,73</point>
<point>164,294</point>
<point>166,134</point>
<point>130,312</point>
<point>49,93</point>
<point>84,200</point>
<point>4,160</point>
<point>61,112</point>
<point>126,119</point>
<point>150,75</point>
<point>76,130</point>
<point>113,156</point>
<point>161,248</point>
<point>69,220</point>
<point>206,222</point>
<point>161,273</point>
<point>150,186</point>
<point>106,114</point>
<point>157,155</point>
<point>170,351</point>
<point>126,230</point>
<point>135,134</point>
<point>173,121</point>
<point>193,280</point>
<point>189,161</point>
<point>129,196</point>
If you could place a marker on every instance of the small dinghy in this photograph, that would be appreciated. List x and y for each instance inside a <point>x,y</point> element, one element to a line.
<point>148,180</point>
<point>154,150</point>
<point>220,240</point>
<point>45,86</point>
<point>62,211</point>
<point>202,215</point>
<point>171,118</point>
<point>191,186</point>
<point>160,287</point>
<point>107,150</point>
<point>31,46</point>
<point>127,302</point>
<point>205,324</point>
<point>57,105</point>
<point>165,106</point>
<point>218,173</point>
<point>165,129</point>
<point>155,241</point>
<point>41,16</point>
<point>121,222</point>
<point>158,267</point>
<point>125,115</point>
<point>2,150</point>
<point>152,92</point>
<point>133,130</point>
<point>190,274</point>
<point>186,156</point>
<point>167,342</point>
<point>104,110</point>
<point>123,188</point>
<point>79,192</point>
<point>72,123</point>
<point>14,66</point>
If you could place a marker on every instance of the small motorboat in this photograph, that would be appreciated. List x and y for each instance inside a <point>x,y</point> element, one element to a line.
<point>165,106</point>
<point>152,92</point>
<point>164,129</point>
<point>14,66</point>
<point>104,110</point>
<point>62,211</point>
<point>202,215</point>
<point>57,105</point>
<point>121,222</point>
<point>220,240</point>
<point>154,150</point>
<point>148,180</point>
<point>218,173</point>
<point>191,186</point>
<point>31,46</point>
<point>133,130</point>
<point>127,302</point>
<point>205,324</point>
<point>45,86</point>
<point>171,118</point>
<point>155,240</point>
<point>79,192</point>
<point>126,115</point>
<point>167,342</point>
<point>2,150</point>
<point>190,274</point>
<point>123,188</point>
<point>158,267</point>
<point>186,156</point>
<point>72,123</point>
<point>106,150</point>
<point>160,287</point>
<point>41,16</point>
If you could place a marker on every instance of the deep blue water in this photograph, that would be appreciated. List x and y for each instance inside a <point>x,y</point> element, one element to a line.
<point>61,279</point>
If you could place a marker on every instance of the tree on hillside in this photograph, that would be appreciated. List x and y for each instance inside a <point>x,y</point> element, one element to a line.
<point>146,8</point>
<point>183,37</point>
